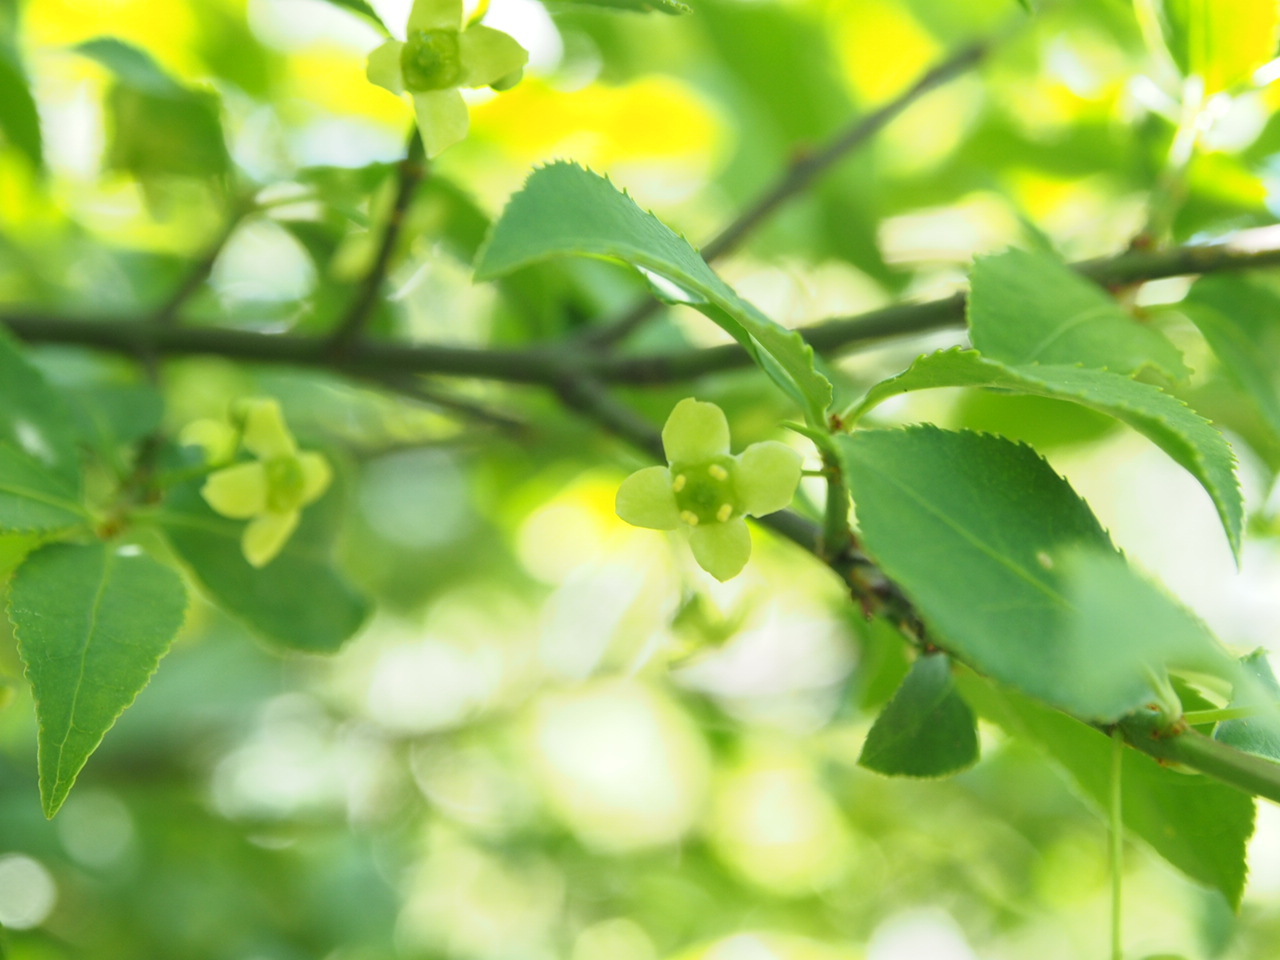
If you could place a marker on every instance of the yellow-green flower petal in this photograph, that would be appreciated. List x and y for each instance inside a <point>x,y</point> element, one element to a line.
<point>488,55</point>
<point>266,435</point>
<point>266,535</point>
<point>217,439</point>
<point>238,492</point>
<point>695,432</point>
<point>721,549</point>
<point>767,476</point>
<point>383,67</point>
<point>645,499</point>
<point>435,15</point>
<point>442,119</point>
<point>316,476</point>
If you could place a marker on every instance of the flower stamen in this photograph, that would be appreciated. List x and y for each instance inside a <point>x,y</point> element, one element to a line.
<point>680,483</point>
<point>718,472</point>
<point>689,517</point>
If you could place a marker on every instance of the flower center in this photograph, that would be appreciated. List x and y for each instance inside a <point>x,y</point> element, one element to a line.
<point>705,492</point>
<point>285,484</point>
<point>431,60</point>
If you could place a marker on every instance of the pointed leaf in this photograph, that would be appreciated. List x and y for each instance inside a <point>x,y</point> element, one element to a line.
<point>298,601</point>
<point>1031,308</point>
<point>1259,734</point>
<point>1200,826</point>
<point>982,535</point>
<point>1164,419</point>
<point>927,730</point>
<point>34,500</point>
<point>1239,319</point>
<point>34,418</point>
<point>565,210</point>
<point>92,622</point>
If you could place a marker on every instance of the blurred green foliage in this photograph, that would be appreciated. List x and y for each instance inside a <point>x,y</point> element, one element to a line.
<point>553,736</point>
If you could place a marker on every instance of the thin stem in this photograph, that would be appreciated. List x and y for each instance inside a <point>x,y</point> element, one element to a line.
<point>463,408</point>
<point>413,168</point>
<point>1197,718</point>
<point>1171,186</point>
<point>1117,841</point>
<point>167,313</point>
<point>800,175</point>
<point>1245,771</point>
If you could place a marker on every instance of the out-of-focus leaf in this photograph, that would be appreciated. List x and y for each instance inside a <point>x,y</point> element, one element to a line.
<point>1223,43</point>
<point>1200,826</point>
<point>130,65</point>
<point>35,419</point>
<point>1240,319</point>
<point>14,548</point>
<point>1164,419</point>
<point>987,541</point>
<point>674,7</point>
<point>565,210</point>
<point>1258,734</point>
<point>92,623</point>
<point>927,730</point>
<point>362,9</point>
<point>157,126</point>
<point>19,120</point>
<point>298,601</point>
<point>113,415</point>
<point>1031,308</point>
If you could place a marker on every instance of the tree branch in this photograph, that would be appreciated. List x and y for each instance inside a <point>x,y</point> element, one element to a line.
<point>414,388</point>
<point>800,175</point>
<point>413,168</point>
<point>1247,250</point>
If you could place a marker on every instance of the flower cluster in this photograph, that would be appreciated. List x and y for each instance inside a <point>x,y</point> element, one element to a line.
<point>706,490</point>
<point>437,57</point>
<point>268,491</point>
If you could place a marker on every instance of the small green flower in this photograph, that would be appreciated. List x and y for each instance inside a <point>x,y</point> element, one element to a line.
<point>707,490</point>
<point>270,491</point>
<point>439,56</point>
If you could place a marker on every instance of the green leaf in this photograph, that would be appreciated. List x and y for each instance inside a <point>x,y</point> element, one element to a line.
<point>986,539</point>
<point>157,126</point>
<point>14,548</point>
<point>1257,734</point>
<point>1124,633</point>
<point>298,601</point>
<point>19,120</point>
<point>33,499</point>
<point>35,419</point>
<point>927,730</point>
<point>1223,43</point>
<point>1032,308</point>
<point>1200,826</point>
<point>92,622</point>
<point>112,415</point>
<point>1239,319</point>
<point>565,210</point>
<point>130,65</point>
<point>1164,419</point>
